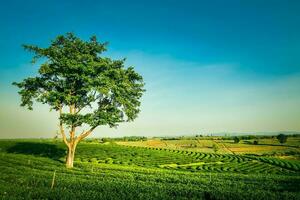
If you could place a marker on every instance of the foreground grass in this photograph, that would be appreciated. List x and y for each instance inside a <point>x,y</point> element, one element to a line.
<point>118,172</point>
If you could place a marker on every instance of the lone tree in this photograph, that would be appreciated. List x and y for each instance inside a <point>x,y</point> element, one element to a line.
<point>236,140</point>
<point>87,89</point>
<point>282,138</point>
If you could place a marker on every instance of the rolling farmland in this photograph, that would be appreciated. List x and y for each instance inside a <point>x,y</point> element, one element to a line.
<point>112,171</point>
<point>265,146</point>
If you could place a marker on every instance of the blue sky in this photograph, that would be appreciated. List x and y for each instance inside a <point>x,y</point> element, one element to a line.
<point>209,66</point>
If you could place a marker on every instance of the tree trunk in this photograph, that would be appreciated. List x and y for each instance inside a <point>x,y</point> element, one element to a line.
<point>71,155</point>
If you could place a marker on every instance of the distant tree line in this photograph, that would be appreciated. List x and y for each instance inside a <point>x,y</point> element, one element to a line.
<point>282,138</point>
<point>126,138</point>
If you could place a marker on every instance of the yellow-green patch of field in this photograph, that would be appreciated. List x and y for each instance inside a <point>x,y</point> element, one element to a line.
<point>291,141</point>
<point>264,146</point>
<point>255,149</point>
<point>188,145</point>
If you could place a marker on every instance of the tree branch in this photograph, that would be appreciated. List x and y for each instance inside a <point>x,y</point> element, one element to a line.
<point>62,131</point>
<point>72,131</point>
<point>79,109</point>
<point>85,134</point>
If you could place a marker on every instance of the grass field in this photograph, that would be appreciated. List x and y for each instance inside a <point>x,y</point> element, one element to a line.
<point>111,171</point>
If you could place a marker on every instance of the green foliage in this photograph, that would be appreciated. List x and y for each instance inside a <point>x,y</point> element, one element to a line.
<point>106,140</point>
<point>75,74</point>
<point>170,138</point>
<point>282,138</point>
<point>249,137</point>
<point>215,147</point>
<point>236,140</point>
<point>154,157</point>
<point>255,142</point>
<point>127,138</point>
<point>134,138</point>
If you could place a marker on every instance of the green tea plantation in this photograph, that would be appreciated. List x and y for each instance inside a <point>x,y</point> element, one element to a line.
<point>35,169</point>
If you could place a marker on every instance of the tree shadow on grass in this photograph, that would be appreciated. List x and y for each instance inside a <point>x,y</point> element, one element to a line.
<point>38,149</point>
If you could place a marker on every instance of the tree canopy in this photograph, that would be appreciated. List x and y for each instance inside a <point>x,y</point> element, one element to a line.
<point>236,140</point>
<point>282,138</point>
<point>95,89</point>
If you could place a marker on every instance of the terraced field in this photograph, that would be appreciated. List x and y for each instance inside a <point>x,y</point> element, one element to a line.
<point>186,160</point>
<point>109,171</point>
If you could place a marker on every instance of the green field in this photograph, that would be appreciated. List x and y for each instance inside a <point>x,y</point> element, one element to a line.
<point>267,146</point>
<point>111,171</point>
